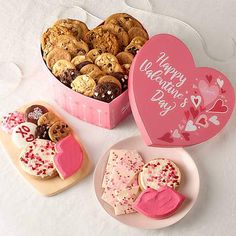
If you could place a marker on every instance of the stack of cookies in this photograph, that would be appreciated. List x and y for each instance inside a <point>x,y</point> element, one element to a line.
<point>94,62</point>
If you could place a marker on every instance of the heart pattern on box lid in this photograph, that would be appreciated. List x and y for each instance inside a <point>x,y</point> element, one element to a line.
<point>175,103</point>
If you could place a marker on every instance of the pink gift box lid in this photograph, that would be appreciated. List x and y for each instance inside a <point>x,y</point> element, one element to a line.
<point>174,102</point>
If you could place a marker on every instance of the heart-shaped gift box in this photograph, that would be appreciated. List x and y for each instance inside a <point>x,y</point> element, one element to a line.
<point>175,103</point>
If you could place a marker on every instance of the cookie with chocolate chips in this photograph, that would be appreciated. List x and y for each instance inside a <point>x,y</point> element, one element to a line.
<point>34,112</point>
<point>106,92</point>
<point>68,76</point>
<point>122,78</point>
<point>59,130</point>
<point>42,132</point>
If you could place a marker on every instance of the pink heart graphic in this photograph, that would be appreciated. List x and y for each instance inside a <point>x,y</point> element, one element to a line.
<point>202,121</point>
<point>160,88</point>
<point>69,157</point>
<point>218,107</point>
<point>209,93</point>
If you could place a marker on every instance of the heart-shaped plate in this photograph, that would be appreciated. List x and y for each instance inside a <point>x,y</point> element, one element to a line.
<point>175,103</point>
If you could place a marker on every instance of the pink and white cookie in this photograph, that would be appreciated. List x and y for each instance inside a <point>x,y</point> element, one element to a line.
<point>159,172</point>
<point>69,156</point>
<point>37,159</point>
<point>121,169</point>
<point>110,195</point>
<point>125,200</point>
<point>159,204</point>
<point>11,120</point>
<point>23,134</point>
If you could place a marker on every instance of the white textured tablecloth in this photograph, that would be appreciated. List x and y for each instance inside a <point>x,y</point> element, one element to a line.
<point>23,212</point>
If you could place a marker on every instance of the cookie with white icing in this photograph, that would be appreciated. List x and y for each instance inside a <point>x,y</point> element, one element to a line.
<point>37,159</point>
<point>23,134</point>
<point>159,172</point>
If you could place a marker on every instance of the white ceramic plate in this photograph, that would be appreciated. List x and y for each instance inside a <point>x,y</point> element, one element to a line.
<point>189,186</point>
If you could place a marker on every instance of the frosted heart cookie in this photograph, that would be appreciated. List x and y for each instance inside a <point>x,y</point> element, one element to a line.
<point>159,172</point>
<point>34,112</point>
<point>9,121</point>
<point>58,131</point>
<point>37,159</point>
<point>69,156</point>
<point>23,134</point>
<point>159,204</point>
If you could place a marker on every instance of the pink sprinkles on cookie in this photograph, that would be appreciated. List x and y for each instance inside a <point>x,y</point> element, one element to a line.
<point>11,120</point>
<point>37,158</point>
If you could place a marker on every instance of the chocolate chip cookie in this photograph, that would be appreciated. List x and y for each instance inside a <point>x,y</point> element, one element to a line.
<point>102,39</point>
<point>109,78</point>
<point>55,55</point>
<point>61,66</point>
<point>106,92</point>
<point>125,58</point>
<point>76,27</point>
<point>94,53</point>
<point>123,79</point>
<point>42,132</point>
<point>124,20</point>
<point>58,130</point>
<point>68,76</point>
<point>84,84</point>
<point>48,119</point>
<point>108,63</point>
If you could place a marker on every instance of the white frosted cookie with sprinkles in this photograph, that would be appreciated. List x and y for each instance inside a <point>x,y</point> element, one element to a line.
<point>159,172</point>
<point>37,159</point>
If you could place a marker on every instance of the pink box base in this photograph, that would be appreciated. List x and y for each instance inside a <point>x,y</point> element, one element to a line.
<point>106,115</point>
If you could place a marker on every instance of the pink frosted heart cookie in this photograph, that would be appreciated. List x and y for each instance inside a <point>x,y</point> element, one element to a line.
<point>69,156</point>
<point>37,159</point>
<point>159,172</point>
<point>159,204</point>
<point>23,134</point>
<point>11,120</point>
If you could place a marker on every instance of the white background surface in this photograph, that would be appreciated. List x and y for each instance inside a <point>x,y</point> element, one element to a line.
<point>76,211</point>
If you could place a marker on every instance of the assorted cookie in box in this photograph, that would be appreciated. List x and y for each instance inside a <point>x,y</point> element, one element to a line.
<point>43,145</point>
<point>94,62</point>
<point>88,70</point>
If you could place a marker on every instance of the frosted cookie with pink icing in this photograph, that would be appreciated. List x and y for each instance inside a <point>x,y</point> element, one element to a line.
<point>159,204</point>
<point>23,134</point>
<point>36,159</point>
<point>9,121</point>
<point>122,167</point>
<point>69,156</point>
<point>159,172</point>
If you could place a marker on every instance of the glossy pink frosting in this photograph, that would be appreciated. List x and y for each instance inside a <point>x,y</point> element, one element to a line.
<point>69,157</point>
<point>160,203</point>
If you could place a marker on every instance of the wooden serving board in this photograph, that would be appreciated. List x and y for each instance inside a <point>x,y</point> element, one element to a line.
<point>51,186</point>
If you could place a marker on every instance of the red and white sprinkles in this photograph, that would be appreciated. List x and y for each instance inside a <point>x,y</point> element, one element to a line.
<point>11,120</point>
<point>159,172</point>
<point>37,158</point>
<point>120,180</point>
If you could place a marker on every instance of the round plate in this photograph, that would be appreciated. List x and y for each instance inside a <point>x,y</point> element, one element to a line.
<point>189,186</point>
